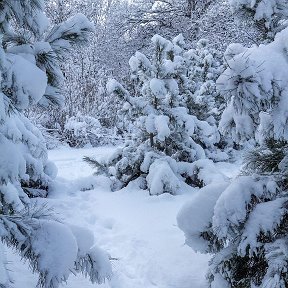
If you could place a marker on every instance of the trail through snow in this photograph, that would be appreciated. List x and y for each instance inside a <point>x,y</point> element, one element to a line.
<point>138,230</point>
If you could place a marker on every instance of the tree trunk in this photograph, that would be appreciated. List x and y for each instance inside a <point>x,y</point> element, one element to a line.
<point>191,6</point>
<point>151,139</point>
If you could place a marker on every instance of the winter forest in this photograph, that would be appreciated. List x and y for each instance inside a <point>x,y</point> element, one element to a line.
<point>144,143</point>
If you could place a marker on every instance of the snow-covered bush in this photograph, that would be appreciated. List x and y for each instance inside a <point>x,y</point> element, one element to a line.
<point>83,130</point>
<point>244,223</point>
<point>166,134</point>
<point>30,74</point>
<point>78,129</point>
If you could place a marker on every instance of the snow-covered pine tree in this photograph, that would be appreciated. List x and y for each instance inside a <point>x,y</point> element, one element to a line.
<point>29,72</point>
<point>204,66</point>
<point>244,223</point>
<point>167,141</point>
<point>254,86</point>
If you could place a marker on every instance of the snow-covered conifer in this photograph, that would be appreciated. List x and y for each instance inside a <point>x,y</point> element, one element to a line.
<point>167,138</point>
<point>255,88</point>
<point>244,223</point>
<point>30,74</point>
<point>203,68</point>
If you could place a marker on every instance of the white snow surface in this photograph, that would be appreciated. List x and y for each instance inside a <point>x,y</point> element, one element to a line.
<point>139,231</point>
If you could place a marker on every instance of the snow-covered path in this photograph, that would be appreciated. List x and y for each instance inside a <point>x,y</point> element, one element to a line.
<point>137,229</point>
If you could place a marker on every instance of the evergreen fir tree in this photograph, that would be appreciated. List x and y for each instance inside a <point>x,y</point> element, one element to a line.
<point>167,139</point>
<point>244,225</point>
<point>204,66</point>
<point>30,74</point>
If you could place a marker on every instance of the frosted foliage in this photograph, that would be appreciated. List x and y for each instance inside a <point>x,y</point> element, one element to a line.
<point>81,130</point>
<point>230,209</point>
<point>84,238</point>
<point>34,19</point>
<point>162,179</point>
<point>28,73</point>
<point>255,85</point>
<point>112,85</point>
<point>277,257</point>
<point>266,10</point>
<point>203,68</point>
<point>241,224</point>
<point>55,250</point>
<point>24,158</point>
<point>258,222</point>
<point>240,126</point>
<point>56,266</point>
<point>26,80</point>
<point>63,35</point>
<point>161,125</point>
<point>73,251</point>
<point>158,89</point>
<point>98,269</point>
<point>204,170</point>
<point>195,216</point>
<point>165,128</point>
<point>23,151</point>
<point>163,44</point>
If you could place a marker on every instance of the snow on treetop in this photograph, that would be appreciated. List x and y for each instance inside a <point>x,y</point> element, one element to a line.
<point>162,127</point>
<point>81,21</point>
<point>233,50</point>
<point>140,61</point>
<point>112,85</point>
<point>162,43</point>
<point>179,40</point>
<point>158,88</point>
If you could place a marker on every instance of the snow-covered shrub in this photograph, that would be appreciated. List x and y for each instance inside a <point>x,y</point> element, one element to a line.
<point>81,130</point>
<point>30,74</point>
<point>78,129</point>
<point>166,134</point>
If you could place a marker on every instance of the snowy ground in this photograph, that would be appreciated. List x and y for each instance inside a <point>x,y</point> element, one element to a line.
<point>137,229</point>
